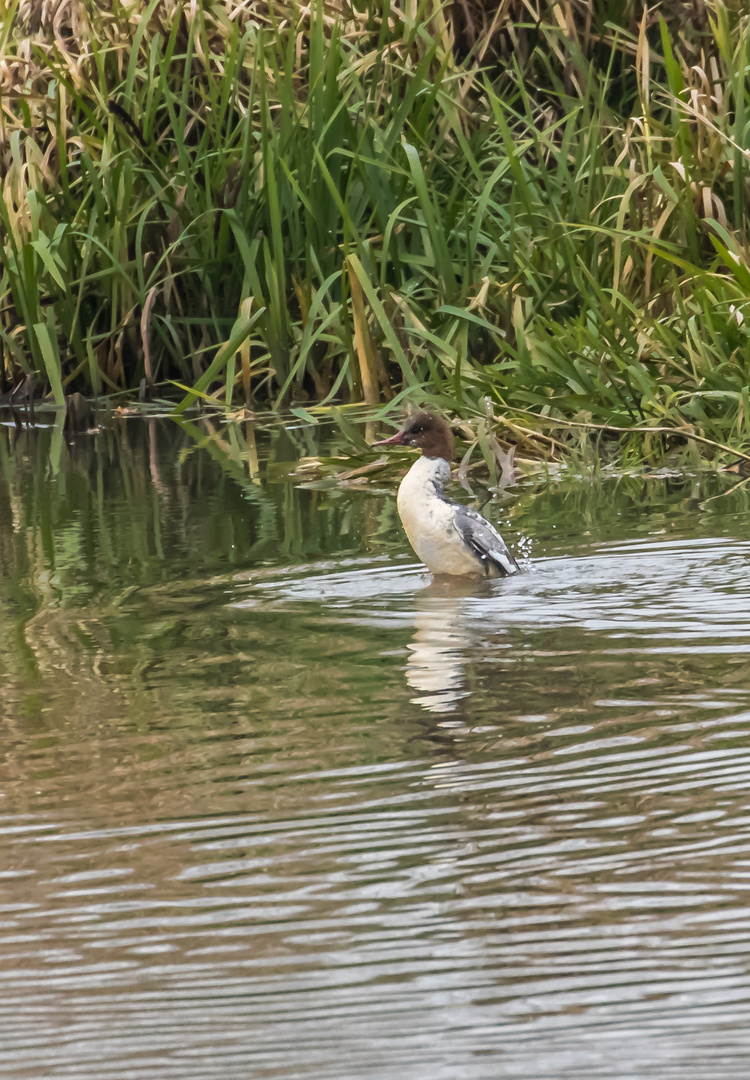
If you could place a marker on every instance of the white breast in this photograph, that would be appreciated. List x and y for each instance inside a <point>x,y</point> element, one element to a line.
<point>429,521</point>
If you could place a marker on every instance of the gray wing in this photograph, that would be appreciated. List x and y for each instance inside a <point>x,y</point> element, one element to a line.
<point>485,541</point>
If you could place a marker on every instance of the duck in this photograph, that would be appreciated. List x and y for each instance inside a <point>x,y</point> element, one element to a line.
<point>447,537</point>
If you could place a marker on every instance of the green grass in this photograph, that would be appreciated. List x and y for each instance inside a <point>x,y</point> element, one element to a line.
<point>348,206</point>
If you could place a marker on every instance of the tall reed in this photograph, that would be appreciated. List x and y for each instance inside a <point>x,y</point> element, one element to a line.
<point>333,203</point>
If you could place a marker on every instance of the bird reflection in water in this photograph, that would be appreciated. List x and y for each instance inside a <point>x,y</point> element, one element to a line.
<point>442,642</point>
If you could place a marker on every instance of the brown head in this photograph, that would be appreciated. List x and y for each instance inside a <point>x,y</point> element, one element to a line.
<point>427,431</point>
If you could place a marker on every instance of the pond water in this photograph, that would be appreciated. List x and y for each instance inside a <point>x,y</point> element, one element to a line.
<point>274,805</point>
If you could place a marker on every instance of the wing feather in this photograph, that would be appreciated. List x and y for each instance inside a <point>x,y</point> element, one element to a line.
<point>485,541</point>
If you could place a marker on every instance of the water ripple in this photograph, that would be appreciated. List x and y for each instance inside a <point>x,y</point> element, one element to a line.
<point>337,821</point>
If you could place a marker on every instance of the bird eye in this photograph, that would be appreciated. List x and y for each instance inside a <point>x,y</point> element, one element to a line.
<point>418,430</point>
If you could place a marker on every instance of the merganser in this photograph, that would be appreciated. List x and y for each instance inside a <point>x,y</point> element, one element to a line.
<point>449,538</point>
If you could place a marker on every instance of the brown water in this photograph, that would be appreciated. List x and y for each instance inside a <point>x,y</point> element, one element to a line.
<point>272,805</point>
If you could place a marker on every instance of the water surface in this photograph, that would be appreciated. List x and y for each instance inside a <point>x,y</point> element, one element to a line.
<point>274,804</point>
